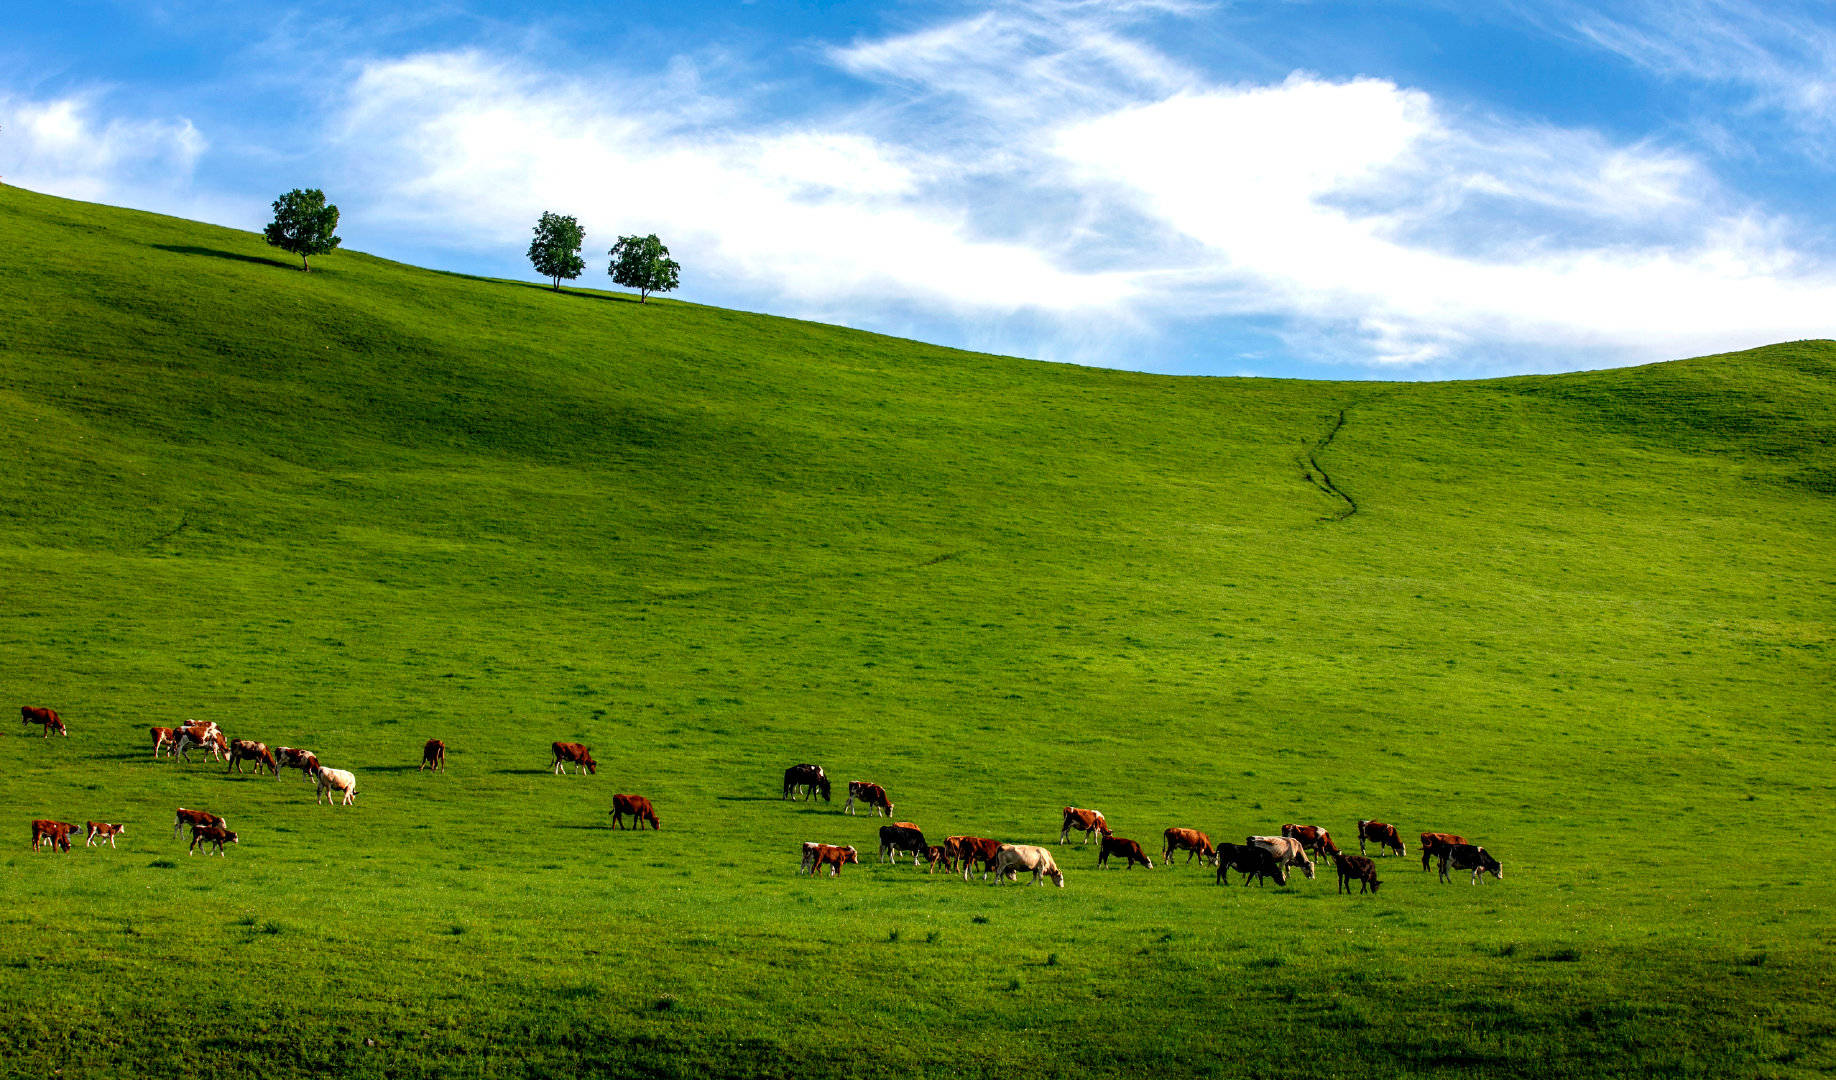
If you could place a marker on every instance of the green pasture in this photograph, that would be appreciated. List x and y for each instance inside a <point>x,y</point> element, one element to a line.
<point>1585,620</point>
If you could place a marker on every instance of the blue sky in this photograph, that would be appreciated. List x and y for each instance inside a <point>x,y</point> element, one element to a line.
<point>1331,189</point>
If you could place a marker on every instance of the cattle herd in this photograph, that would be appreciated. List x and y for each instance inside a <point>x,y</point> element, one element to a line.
<point>1258,857</point>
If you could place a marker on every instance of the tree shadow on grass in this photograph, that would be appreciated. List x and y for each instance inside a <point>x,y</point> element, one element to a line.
<point>189,249</point>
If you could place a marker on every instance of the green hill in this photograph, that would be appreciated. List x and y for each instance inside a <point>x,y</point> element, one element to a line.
<point>1584,620</point>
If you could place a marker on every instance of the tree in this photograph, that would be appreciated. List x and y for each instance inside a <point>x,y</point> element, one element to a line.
<point>303,224</point>
<point>555,251</point>
<point>643,263</point>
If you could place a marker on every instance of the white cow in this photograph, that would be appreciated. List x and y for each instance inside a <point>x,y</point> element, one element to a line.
<point>1013,858</point>
<point>335,780</point>
<point>1287,851</point>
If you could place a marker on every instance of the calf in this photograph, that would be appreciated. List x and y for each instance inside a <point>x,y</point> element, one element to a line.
<point>872,796</point>
<point>433,756</point>
<point>832,857</point>
<point>164,738</point>
<point>1250,861</point>
<point>1313,839</point>
<point>638,807</point>
<point>940,855</point>
<point>241,750</point>
<point>1358,868</point>
<point>1087,822</point>
<point>46,718</point>
<point>1013,858</point>
<point>193,818</point>
<point>332,783</point>
<point>808,779</point>
<point>55,833</point>
<point>1287,851</point>
<point>897,838</point>
<point>99,831</point>
<point>215,835</point>
<point>1471,857</point>
<point>1190,841</point>
<point>1384,836</point>
<point>1434,842</point>
<point>574,752</point>
<point>973,849</point>
<point>1128,849</point>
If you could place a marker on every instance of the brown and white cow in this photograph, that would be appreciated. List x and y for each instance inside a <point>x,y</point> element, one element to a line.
<point>293,757</point>
<point>1128,849</point>
<point>1470,857</point>
<point>215,835</point>
<point>55,833</point>
<point>433,756</point>
<point>1355,868</point>
<point>1249,860</point>
<point>331,783</point>
<point>164,738</point>
<point>1384,836</point>
<point>974,849</point>
<point>208,735</point>
<point>1013,858</point>
<point>1317,841</point>
<point>638,807</point>
<point>872,796</point>
<point>1190,841</point>
<point>574,752</point>
<point>241,750</point>
<point>1287,851</point>
<point>808,779</point>
<point>1434,842</point>
<point>98,831</point>
<point>193,818</point>
<point>1087,822</point>
<point>48,718</point>
<point>897,838</point>
<point>832,857</point>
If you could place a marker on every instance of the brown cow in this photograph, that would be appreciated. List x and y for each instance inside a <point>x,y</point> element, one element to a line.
<point>833,857</point>
<point>215,835</point>
<point>973,849</point>
<point>207,735</point>
<point>1084,821</point>
<point>638,807</point>
<point>294,758</point>
<point>576,753</point>
<point>1128,849</point>
<point>1190,841</point>
<point>1313,839</point>
<point>55,833</point>
<point>433,756</point>
<point>1358,868</point>
<point>940,855</point>
<point>1250,860</point>
<point>1434,842</point>
<point>99,831</point>
<point>33,714</point>
<point>164,738</point>
<point>1385,836</point>
<point>241,750</point>
<point>872,796</point>
<point>194,818</point>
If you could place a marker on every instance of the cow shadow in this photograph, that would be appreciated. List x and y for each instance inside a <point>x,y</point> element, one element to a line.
<point>214,253</point>
<point>748,798</point>
<point>590,828</point>
<point>393,768</point>
<point>525,772</point>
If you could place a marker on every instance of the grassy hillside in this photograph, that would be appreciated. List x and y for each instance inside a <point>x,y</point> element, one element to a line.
<point>1583,619</point>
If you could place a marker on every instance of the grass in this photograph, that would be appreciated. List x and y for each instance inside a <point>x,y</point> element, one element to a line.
<point>1583,619</point>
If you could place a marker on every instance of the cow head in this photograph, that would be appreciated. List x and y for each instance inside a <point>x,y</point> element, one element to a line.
<point>1490,865</point>
<point>1057,876</point>
<point>851,855</point>
<point>591,765</point>
<point>822,784</point>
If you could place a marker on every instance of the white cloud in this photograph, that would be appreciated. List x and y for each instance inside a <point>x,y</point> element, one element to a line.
<point>63,146</point>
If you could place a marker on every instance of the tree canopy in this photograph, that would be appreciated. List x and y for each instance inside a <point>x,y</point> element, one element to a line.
<point>555,251</point>
<point>303,224</point>
<point>643,263</point>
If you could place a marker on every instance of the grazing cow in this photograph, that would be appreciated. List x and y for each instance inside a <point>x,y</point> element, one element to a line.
<point>48,718</point>
<point>1471,857</point>
<point>1287,851</point>
<point>832,857</point>
<point>809,779</point>
<point>1384,836</point>
<point>194,818</point>
<point>241,750</point>
<point>638,807</point>
<point>55,833</point>
<point>215,835</point>
<point>207,735</point>
<point>1434,842</point>
<point>1358,868</point>
<point>164,738</point>
<point>872,796</point>
<point>1190,841</point>
<point>576,753</point>
<point>974,849</point>
<point>1250,861</point>
<point>1128,849</point>
<point>940,855</point>
<point>897,838</point>
<point>1084,821</point>
<point>294,758</point>
<point>1013,858</point>
<point>333,782</point>
<point>433,756</point>
<point>1316,841</point>
<point>99,831</point>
